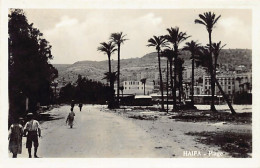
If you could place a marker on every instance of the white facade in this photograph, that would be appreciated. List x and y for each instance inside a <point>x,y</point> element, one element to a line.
<point>137,88</point>
<point>227,82</point>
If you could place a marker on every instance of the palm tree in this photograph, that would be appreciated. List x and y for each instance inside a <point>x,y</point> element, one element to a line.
<point>175,36</point>
<point>193,47</point>
<point>204,60</point>
<point>107,48</point>
<point>158,42</point>
<point>209,19</point>
<point>169,55</point>
<point>143,82</point>
<point>118,39</point>
<point>216,48</point>
<point>111,77</point>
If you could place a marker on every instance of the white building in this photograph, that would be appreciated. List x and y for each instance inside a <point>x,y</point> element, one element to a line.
<point>137,88</point>
<point>227,82</point>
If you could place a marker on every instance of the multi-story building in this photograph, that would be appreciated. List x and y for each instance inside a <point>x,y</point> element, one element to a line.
<point>227,82</point>
<point>137,87</point>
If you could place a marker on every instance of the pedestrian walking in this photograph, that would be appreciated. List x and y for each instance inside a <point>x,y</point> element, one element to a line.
<point>33,130</point>
<point>80,106</point>
<point>70,118</point>
<point>15,137</point>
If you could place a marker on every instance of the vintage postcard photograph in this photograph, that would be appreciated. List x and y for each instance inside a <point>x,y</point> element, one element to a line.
<point>172,83</point>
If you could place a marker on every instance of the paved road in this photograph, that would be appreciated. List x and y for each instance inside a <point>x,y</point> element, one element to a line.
<point>95,134</point>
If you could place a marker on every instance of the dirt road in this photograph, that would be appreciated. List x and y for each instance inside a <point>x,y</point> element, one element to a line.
<point>95,134</point>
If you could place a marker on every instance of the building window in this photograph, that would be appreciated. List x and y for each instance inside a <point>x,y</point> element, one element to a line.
<point>125,88</point>
<point>129,87</point>
<point>229,87</point>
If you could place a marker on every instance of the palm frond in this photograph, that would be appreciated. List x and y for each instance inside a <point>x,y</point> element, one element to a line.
<point>200,22</point>
<point>215,21</point>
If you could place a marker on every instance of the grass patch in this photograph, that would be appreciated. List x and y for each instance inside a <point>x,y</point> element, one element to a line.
<point>143,117</point>
<point>202,116</point>
<point>238,145</point>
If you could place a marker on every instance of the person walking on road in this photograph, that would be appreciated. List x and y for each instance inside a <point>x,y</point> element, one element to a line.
<point>33,130</point>
<point>15,138</point>
<point>80,106</point>
<point>70,118</point>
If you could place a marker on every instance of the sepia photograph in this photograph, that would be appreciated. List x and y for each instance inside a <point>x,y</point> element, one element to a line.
<point>154,83</point>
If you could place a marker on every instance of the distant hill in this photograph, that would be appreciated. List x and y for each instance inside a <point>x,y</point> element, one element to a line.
<point>95,70</point>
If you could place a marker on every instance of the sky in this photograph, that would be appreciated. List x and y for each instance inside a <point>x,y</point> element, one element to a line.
<point>75,34</point>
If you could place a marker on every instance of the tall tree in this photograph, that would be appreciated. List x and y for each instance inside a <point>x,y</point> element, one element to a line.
<point>209,19</point>
<point>143,82</point>
<point>158,42</point>
<point>168,53</point>
<point>30,73</point>
<point>193,47</point>
<point>175,37</point>
<point>118,39</point>
<point>205,60</point>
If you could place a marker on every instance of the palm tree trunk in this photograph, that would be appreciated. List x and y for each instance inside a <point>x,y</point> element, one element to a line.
<point>118,74</point>
<point>173,92</point>
<point>179,79</point>
<point>225,97</point>
<point>175,80</point>
<point>109,64</point>
<point>192,81</point>
<point>144,88</point>
<point>161,81</point>
<point>167,85</point>
<point>212,106</point>
<point>180,84</point>
<point>109,69</point>
<point>111,84</point>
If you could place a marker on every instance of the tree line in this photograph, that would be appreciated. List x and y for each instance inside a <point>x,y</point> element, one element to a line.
<point>29,72</point>
<point>168,46</point>
<point>85,91</point>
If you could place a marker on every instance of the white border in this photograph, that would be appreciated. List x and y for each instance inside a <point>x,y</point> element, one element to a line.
<point>5,161</point>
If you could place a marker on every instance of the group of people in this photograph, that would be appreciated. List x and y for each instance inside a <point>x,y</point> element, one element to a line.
<point>31,130</point>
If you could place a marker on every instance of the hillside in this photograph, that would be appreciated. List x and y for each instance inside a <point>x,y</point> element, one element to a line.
<point>230,58</point>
